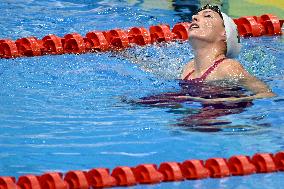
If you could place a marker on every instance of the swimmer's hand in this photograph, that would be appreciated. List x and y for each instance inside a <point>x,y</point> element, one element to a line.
<point>229,99</point>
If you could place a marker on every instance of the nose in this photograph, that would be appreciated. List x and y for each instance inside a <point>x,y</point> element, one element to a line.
<point>195,18</point>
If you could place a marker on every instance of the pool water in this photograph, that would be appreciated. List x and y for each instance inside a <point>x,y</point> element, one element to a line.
<point>74,112</point>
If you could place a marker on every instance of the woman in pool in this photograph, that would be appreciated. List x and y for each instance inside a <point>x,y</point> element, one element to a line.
<point>214,39</point>
<point>220,83</point>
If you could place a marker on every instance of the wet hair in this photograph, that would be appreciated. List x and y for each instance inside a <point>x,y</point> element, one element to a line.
<point>211,7</point>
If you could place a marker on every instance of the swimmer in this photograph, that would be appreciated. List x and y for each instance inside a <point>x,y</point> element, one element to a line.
<point>215,42</point>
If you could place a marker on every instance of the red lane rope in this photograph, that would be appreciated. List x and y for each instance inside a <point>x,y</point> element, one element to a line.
<point>238,165</point>
<point>117,39</point>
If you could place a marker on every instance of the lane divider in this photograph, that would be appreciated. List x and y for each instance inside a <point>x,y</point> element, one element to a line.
<point>118,39</point>
<point>238,165</point>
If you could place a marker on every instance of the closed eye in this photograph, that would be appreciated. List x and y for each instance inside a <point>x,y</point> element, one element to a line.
<point>208,16</point>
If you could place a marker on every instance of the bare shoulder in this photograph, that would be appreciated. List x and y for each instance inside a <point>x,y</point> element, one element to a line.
<point>233,69</point>
<point>186,69</point>
<point>232,63</point>
<point>189,65</point>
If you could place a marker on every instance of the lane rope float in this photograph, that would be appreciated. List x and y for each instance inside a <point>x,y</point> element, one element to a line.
<point>238,165</point>
<point>118,39</point>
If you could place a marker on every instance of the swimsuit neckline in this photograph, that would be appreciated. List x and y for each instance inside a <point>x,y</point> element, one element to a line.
<point>206,73</point>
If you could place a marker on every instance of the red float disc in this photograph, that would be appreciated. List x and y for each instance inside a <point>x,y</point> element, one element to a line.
<point>28,46</point>
<point>217,167</point>
<point>171,171</point>
<point>139,36</point>
<point>52,44</point>
<point>194,169</point>
<point>124,176</point>
<point>8,49</point>
<point>74,43</point>
<point>147,174</point>
<point>241,165</point>
<point>181,30</point>
<point>99,41</point>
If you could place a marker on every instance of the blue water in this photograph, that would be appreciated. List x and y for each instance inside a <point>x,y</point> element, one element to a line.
<point>72,112</point>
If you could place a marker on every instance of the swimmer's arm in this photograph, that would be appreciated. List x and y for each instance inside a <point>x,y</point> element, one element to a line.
<point>258,88</point>
<point>251,83</point>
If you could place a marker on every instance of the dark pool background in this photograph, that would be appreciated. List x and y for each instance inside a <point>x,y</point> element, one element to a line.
<point>68,112</point>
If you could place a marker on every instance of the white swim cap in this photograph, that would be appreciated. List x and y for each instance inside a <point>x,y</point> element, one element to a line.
<point>233,40</point>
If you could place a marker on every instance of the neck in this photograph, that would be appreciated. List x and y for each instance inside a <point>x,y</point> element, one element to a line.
<point>205,54</point>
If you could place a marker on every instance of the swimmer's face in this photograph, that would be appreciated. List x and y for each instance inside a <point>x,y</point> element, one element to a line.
<point>207,25</point>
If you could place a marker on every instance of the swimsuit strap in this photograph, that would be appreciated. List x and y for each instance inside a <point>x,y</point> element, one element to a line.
<point>211,68</point>
<point>187,76</point>
<point>208,71</point>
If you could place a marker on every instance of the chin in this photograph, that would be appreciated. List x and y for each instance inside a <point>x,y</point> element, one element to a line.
<point>199,35</point>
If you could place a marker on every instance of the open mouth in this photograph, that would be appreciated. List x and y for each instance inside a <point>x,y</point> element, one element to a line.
<point>193,26</point>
